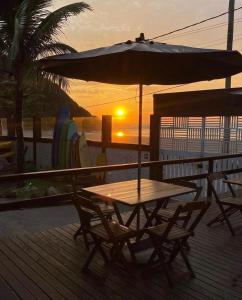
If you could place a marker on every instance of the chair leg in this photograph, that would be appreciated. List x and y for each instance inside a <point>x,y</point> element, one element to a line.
<point>104,255</point>
<point>220,218</point>
<point>174,253</point>
<point>159,251</point>
<point>82,230</point>
<point>152,257</point>
<point>186,245</point>
<point>85,237</point>
<point>132,253</point>
<point>109,217</point>
<point>78,232</point>
<point>224,216</point>
<point>90,257</point>
<point>185,258</point>
<point>227,220</point>
<point>119,253</point>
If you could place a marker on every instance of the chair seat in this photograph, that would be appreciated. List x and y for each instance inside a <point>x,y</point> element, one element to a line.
<point>119,231</point>
<point>175,233</point>
<point>106,210</point>
<point>233,201</point>
<point>166,214</point>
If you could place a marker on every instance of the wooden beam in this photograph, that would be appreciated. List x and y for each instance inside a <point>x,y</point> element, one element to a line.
<point>10,126</point>
<point>36,136</point>
<point>155,145</point>
<point>106,131</point>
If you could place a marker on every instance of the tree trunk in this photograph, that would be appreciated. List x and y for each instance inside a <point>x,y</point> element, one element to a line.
<point>19,126</point>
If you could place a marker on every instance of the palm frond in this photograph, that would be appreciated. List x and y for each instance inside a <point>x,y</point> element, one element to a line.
<point>54,49</point>
<point>53,23</point>
<point>37,10</point>
<point>33,76</point>
<point>7,26</point>
<point>20,23</point>
<point>61,81</point>
<point>2,47</point>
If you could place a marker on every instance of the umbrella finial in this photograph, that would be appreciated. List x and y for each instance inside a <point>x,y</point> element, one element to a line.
<point>141,38</point>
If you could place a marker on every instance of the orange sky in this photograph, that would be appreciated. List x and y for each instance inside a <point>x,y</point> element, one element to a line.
<point>113,21</point>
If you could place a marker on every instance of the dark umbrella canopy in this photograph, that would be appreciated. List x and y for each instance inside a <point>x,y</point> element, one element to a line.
<point>146,62</point>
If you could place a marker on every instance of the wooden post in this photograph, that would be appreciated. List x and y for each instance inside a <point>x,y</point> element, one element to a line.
<point>106,131</point>
<point>1,127</point>
<point>154,145</point>
<point>210,171</point>
<point>10,126</point>
<point>230,37</point>
<point>36,136</point>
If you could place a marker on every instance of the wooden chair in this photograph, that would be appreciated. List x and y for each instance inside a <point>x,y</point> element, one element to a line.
<point>176,235</point>
<point>167,213</point>
<point>106,232</point>
<point>228,205</point>
<point>87,216</point>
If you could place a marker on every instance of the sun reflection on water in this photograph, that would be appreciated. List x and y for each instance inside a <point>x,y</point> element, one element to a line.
<point>120,133</point>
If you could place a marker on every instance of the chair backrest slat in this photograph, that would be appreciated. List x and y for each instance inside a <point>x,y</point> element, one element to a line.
<point>189,209</point>
<point>191,185</point>
<point>88,204</point>
<point>218,176</point>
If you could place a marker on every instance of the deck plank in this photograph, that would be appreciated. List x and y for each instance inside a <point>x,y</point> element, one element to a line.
<point>47,265</point>
<point>36,283</point>
<point>6,292</point>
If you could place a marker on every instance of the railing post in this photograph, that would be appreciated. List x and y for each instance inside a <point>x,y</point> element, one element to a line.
<point>10,126</point>
<point>1,127</point>
<point>155,146</point>
<point>36,136</point>
<point>210,171</point>
<point>106,131</point>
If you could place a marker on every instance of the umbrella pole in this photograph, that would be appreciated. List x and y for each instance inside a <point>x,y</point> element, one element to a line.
<point>140,134</point>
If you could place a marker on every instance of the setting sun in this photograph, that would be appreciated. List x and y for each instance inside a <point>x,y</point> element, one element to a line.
<point>120,112</point>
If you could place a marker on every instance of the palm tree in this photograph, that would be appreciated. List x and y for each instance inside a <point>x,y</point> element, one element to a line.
<point>29,31</point>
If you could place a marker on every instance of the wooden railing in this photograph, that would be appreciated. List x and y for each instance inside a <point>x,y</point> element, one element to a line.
<point>156,172</point>
<point>156,167</point>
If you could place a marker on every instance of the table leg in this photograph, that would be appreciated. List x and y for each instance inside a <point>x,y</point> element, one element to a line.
<point>138,219</point>
<point>117,212</point>
<point>131,217</point>
<point>159,204</point>
<point>145,211</point>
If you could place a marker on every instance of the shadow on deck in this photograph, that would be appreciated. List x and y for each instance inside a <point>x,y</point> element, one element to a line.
<point>47,265</point>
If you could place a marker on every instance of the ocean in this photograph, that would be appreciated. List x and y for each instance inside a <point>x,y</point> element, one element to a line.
<point>128,136</point>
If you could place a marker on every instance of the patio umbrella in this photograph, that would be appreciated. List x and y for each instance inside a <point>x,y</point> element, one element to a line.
<point>145,62</point>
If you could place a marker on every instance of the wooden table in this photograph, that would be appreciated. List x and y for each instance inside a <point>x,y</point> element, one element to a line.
<point>126,192</point>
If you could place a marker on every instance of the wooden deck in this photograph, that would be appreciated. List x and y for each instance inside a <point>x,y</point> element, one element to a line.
<point>47,265</point>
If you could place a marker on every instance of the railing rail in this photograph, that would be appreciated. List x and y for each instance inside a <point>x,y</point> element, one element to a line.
<point>116,167</point>
<point>158,165</point>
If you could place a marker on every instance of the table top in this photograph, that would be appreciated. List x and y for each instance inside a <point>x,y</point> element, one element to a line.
<point>126,191</point>
<point>237,181</point>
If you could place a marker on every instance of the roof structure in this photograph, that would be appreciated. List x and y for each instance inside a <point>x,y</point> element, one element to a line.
<point>218,102</point>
